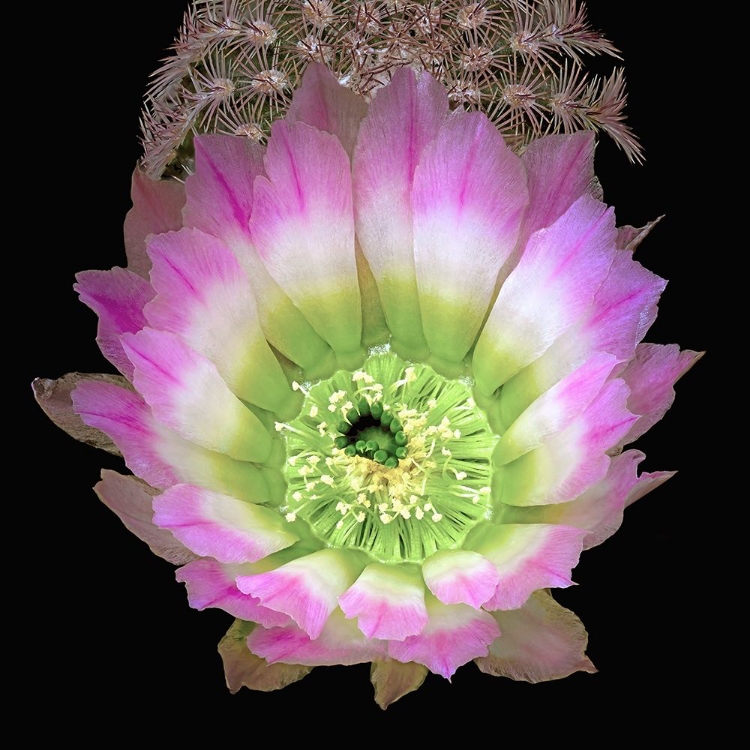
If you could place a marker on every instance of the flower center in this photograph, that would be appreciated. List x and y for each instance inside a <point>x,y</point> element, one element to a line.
<point>392,459</point>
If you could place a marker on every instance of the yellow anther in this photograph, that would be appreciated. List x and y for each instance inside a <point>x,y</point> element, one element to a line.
<point>371,493</point>
<point>291,517</point>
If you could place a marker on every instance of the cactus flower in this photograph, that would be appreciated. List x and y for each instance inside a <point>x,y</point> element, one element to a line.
<point>377,382</point>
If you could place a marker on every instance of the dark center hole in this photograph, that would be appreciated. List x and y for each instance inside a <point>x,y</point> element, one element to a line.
<point>378,437</point>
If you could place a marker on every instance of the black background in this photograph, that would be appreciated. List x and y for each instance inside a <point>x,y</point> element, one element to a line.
<point>106,632</point>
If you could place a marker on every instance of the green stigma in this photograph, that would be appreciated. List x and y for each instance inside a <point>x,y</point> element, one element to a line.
<point>393,460</point>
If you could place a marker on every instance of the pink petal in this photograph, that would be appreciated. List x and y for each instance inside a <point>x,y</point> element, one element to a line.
<point>321,101</point>
<point>555,409</point>
<point>624,307</point>
<point>242,668</point>
<point>157,207</point>
<point>529,557</point>
<point>560,170</point>
<point>403,117</point>
<point>220,191</point>
<point>622,311</point>
<point>303,228</point>
<point>572,460</point>
<point>599,510</point>
<point>126,419</point>
<point>541,641</point>
<point>220,203</point>
<point>340,642</point>
<point>306,589</point>
<point>117,297</point>
<point>190,267</point>
<point>387,601</point>
<point>131,501</point>
<point>454,635</point>
<point>460,577</point>
<point>211,584</point>
<point>154,452</point>
<point>216,525</point>
<point>651,376</point>
<point>547,292</point>
<point>186,393</point>
<point>468,199</point>
<point>205,297</point>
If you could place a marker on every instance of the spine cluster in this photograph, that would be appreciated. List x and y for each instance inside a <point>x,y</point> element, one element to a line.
<point>235,64</point>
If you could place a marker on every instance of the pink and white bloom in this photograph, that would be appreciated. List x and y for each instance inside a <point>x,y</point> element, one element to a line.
<point>378,382</point>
